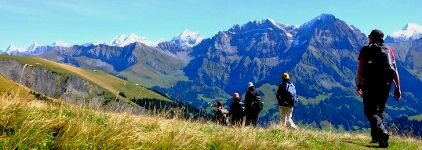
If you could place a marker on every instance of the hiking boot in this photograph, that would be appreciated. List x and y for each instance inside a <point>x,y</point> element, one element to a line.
<point>383,141</point>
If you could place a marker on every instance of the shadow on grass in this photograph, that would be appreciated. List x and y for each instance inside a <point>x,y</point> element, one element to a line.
<point>363,145</point>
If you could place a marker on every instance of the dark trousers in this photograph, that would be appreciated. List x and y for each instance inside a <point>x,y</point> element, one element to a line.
<point>374,100</point>
<point>251,118</point>
<point>237,120</point>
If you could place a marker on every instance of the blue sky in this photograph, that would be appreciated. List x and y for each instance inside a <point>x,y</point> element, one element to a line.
<point>23,22</point>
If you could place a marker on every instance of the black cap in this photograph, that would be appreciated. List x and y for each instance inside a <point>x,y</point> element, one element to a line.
<point>376,34</point>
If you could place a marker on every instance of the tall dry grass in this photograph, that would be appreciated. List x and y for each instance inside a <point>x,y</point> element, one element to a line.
<point>32,124</point>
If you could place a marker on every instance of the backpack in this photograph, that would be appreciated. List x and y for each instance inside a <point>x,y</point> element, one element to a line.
<point>288,95</point>
<point>257,104</point>
<point>242,110</point>
<point>380,64</point>
<point>237,108</point>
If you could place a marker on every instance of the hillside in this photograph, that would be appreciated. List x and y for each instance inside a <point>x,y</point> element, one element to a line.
<point>87,88</point>
<point>108,82</point>
<point>8,87</point>
<point>28,124</point>
<point>411,125</point>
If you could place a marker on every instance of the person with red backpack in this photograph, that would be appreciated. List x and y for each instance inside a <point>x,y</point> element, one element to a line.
<point>287,98</point>
<point>377,69</point>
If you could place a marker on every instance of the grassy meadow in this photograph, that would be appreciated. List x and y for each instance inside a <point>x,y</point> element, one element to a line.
<point>33,124</point>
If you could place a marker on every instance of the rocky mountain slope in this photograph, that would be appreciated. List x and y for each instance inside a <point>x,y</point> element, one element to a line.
<point>88,88</point>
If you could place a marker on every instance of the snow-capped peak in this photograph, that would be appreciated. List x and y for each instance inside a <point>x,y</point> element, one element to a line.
<point>126,39</point>
<point>411,31</point>
<point>93,43</point>
<point>188,38</point>
<point>60,44</point>
<point>322,17</point>
<point>33,46</point>
<point>13,48</point>
<point>275,23</point>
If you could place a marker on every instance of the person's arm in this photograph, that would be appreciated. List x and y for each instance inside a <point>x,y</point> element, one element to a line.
<point>247,100</point>
<point>359,76</point>
<point>396,80</point>
<point>232,108</point>
<point>296,97</point>
<point>278,94</point>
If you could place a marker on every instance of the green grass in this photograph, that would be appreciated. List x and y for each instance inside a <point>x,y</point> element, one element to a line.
<point>155,68</point>
<point>314,100</point>
<point>39,125</point>
<point>269,99</point>
<point>149,78</point>
<point>108,82</point>
<point>416,117</point>
<point>8,87</point>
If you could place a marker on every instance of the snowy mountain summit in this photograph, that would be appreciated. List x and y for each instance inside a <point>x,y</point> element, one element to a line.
<point>188,38</point>
<point>409,32</point>
<point>126,39</point>
<point>182,43</point>
<point>60,44</point>
<point>33,47</point>
<point>13,48</point>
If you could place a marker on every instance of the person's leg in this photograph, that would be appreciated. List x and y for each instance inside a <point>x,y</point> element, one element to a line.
<point>223,120</point>
<point>239,121</point>
<point>382,131</point>
<point>370,110</point>
<point>371,114</point>
<point>233,120</point>
<point>248,119</point>
<point>286,111</point>
<point>290,115</point>
<point>372,118</point>
<point>255,119</point>
<point>282,116</point>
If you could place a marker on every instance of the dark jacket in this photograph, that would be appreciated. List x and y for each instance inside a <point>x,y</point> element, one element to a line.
<point>283,97</point>
<point>250,97</point>
<point>237,109</point>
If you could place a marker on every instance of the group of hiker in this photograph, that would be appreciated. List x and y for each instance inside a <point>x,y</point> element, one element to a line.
<point>377,70</point>
<point>252,105</point>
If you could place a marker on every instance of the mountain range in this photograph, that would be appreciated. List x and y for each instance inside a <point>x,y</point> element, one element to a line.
<point>321,56</point>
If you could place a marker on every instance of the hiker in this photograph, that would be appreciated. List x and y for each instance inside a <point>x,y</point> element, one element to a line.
<point>237,110</point>
<point>253,105</point>
<point>220,114</point>
<point>287,98</point>
<point>376,71</point>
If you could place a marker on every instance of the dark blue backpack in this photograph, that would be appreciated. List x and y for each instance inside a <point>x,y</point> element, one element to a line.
<point>288,95</point>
